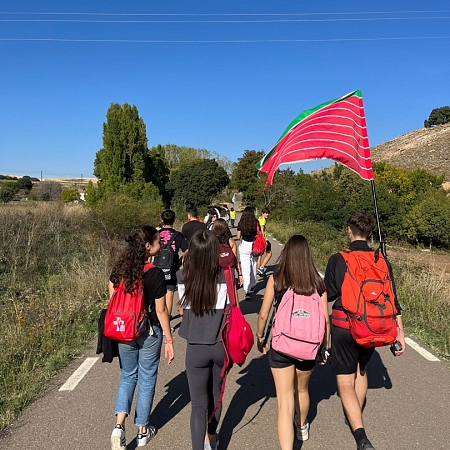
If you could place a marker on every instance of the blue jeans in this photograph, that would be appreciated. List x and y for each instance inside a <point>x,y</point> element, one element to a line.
<point>139,362</point>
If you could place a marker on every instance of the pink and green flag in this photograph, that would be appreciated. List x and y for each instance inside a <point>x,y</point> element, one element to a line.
<point>333,130</point>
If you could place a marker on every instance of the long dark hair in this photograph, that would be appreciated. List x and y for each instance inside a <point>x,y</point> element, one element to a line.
<point>220,228</point>
<point>128,268</point>
<point>201,272</point>
<point>248,222</point>
<point>297,270</point>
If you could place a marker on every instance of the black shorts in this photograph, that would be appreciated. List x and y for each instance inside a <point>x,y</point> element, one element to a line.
<point>346,353</point>
<point>268,246</point>
<point>279,361</point>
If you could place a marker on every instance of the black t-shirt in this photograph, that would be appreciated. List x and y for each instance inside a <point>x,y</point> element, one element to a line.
<point>191,227</point>
<point>154,287</point>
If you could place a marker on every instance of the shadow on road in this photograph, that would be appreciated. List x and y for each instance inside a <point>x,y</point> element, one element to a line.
<point>176,398</point>
<point>377,373</point>
<point>256,386</point>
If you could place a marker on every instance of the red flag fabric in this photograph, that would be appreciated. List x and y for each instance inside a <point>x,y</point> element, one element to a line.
<point>333,130</point>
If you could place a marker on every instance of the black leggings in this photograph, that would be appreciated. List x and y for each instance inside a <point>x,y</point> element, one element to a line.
<point>203,366</point>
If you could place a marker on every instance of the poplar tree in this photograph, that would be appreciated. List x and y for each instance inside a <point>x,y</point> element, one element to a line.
<point>122,160</point>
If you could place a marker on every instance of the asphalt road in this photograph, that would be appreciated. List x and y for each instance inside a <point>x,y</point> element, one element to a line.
<point>408,405</point>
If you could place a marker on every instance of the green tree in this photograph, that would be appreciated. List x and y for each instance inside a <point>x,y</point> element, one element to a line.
<point>12,185</point>
<point>25,183</point>
<point>438,116</point>
<point>124,154</point>
<point>428,221</point>
<point>6,195</point>
<point>118,214</point>
<point>91,196</point>
<point>245,176</point>
<point>197,183</point>
<point>70,195</point>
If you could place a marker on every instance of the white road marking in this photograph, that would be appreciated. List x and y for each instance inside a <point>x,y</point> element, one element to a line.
<point>78,375</point>
<point>426,354</point>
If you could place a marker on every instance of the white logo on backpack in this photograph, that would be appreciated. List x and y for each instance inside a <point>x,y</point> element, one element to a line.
<point>298,325</point>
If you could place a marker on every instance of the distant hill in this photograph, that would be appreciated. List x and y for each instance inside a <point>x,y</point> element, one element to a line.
<point>428,148</point>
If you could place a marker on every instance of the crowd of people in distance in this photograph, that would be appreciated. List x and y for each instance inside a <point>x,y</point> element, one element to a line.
<point>198,279</point>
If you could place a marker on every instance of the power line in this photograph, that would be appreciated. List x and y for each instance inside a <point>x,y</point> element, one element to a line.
<point>238,41</point>
<point>349,19</point>
<point>218,14</point>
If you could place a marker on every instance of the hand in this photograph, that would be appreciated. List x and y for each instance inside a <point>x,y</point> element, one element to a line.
<point>259,345</point>
<point>240,280</point>
<point>168,352</point>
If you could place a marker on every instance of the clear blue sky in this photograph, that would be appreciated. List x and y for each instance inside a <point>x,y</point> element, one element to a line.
<point>222,75</point>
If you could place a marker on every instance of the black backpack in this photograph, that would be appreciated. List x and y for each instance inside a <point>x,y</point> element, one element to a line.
<point>164,259</point>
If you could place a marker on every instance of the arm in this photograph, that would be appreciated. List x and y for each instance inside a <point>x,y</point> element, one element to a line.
<point>238,235</point>
<point>400,335</point>
<point>326,339</point>
<point>264,313</point>
<point>163,317</point>
<point>238,263</point>
<point>110,288</point>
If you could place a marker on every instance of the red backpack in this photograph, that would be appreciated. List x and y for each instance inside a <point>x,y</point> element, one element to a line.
<point>126,316</point>
<point>259,244</point>
<point>226,256</point>
<point>237,335</point>
<point>368,297</point>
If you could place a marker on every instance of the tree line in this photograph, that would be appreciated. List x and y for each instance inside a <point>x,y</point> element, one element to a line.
<point>413,206</point>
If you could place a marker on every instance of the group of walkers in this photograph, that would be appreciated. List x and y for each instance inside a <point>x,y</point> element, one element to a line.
<point>203,298</point>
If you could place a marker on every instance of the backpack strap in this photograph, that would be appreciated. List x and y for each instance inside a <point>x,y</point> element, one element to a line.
<point>227,364</point>
<point>168,244</point>
<point>276,304</point>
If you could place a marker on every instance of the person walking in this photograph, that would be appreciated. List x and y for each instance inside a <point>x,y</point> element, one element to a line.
<point>246,232</point>
<point>348,359</point>
<point>261,266</point>
<point>192,225</point>
<point>169,234</point>
<point>139,359</point>
<point>203,294</point>
<point>291,376</point>
<point>232,217</point>
<point>224,236</point>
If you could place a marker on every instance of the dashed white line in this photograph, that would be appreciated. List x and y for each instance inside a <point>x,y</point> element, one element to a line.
<point>425,353</point>
<point>78,375</point>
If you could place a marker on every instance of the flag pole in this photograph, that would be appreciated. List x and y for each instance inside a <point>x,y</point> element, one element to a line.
<point>374,195</point>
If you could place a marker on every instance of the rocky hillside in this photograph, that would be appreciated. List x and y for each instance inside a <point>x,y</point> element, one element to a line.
<point>428,148</point>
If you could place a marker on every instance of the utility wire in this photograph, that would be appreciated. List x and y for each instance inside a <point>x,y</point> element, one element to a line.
<point>350,19</point>
<point>239,41</point>
<point>226,14</point>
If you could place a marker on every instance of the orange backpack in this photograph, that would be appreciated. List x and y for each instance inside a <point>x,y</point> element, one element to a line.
<point>368,297</point>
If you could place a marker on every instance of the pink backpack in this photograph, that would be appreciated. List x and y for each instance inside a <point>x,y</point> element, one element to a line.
<point>298,325</point>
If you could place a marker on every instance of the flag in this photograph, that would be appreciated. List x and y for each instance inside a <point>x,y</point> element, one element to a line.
<point>333,130</point>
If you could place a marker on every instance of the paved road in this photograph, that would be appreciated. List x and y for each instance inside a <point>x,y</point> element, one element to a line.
<point>408,405</point>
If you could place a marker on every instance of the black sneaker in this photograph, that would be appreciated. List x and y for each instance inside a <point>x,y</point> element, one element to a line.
<point>365,445</point>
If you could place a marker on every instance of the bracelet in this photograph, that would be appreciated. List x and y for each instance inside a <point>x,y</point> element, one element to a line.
<point>168,341</point>
<point>240,274</point>
<point>260,338</point>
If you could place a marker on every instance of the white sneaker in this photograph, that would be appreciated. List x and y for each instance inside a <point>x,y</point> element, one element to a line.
<point>212,445</point>
<point>144,438</point>
<point>118,439</point>
<point>303,432</point>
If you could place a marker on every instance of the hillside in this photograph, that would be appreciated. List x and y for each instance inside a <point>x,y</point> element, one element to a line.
<point>428,148</point>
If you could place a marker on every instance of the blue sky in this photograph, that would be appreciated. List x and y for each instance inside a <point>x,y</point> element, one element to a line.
<point>224,75</point>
